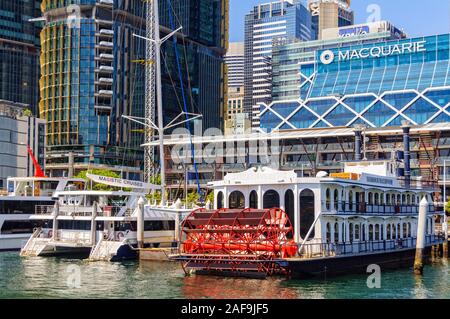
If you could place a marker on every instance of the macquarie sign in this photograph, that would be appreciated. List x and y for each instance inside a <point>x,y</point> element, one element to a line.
<point>328,56</point>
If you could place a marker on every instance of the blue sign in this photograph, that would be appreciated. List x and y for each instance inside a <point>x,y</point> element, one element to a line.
<point>354,31</point>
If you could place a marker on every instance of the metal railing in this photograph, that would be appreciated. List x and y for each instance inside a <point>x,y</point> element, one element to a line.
<point>44,209</point>
<point>342,249</point>
<point>346,208</point>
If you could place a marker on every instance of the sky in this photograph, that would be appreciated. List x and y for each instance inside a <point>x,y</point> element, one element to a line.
<point>416,17</point>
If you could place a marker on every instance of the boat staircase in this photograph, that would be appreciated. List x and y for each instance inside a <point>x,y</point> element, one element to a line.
<point>105,250</point>
<point>35,245</point>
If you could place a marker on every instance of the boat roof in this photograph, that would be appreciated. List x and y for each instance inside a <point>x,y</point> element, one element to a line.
<point>98,193</point>
<point>45,179</point>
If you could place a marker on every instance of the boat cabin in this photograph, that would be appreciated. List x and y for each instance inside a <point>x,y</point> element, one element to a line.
<point>366,202</point>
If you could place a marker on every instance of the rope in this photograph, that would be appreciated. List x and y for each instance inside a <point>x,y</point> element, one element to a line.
<point>180,75</point>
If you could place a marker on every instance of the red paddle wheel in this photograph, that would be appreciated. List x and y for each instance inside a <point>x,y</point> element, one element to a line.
<point>237,242</point>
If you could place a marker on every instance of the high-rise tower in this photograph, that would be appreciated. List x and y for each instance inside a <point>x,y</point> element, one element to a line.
<point>267,22</point>
<point>19,52</point>
<point>329,14</point>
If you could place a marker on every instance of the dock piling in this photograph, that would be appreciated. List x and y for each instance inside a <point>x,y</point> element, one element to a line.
<point>140,223</point>
<point>94,224</point>
<point>421,239</point>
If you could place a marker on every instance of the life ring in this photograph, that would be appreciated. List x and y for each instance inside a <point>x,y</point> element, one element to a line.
<point>50,234</point>
<point>120,236</point>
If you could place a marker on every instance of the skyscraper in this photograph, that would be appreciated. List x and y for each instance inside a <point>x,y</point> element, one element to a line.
<point>19,52</point>
<point>265,23</point>
<point>201,45</point>
<point>89,80</point>
<point>329,14</point>
<point>235,63</point>
<point>93,73</point>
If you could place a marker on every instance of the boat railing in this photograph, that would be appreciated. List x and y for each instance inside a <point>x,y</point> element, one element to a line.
<point>346,208</point>
<point>316,250</point>
<point>44,209</point>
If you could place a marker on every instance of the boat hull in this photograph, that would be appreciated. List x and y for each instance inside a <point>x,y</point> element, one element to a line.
<point>13,242</point>
<point>352,264</point>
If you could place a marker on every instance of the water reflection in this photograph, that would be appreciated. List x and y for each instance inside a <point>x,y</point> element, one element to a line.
<point>51,278</point>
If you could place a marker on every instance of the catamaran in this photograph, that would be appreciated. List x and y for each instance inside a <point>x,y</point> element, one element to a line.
<point>101,225</point>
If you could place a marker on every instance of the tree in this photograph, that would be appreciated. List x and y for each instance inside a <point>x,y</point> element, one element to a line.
<point>447,208</point>
<point>210,197</point>
<point>27,112</point>
<point>101,172</point>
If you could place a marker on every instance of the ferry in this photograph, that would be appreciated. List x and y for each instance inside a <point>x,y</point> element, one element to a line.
<point>266,221</point>
<point>19,202</point>
<point>101,225</point>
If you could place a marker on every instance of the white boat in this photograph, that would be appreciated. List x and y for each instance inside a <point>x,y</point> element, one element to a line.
<point>339,223</point>
<point>23,196</point>
<point>101,225</point>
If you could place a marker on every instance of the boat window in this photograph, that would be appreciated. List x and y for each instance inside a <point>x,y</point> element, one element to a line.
<point>307,213</point>
<point>394,232</point>
<point>219,200</point>
<point>357,232</point>
<point>377,232</point>
<point>254,199</point>
<point>399,199</point>
<point>10,227</point>
<point>290,207</point>
<point>409,230</point>
<point>398,231</point>
<point>370,198</point>
<point>336,232</point>
<point>328,233</point>
<point>403,199</point>
<point>377,199</point>
<point>388,232</point>
<point>336,199</point>
<point>236,200</point>
<point>159,225</point>
<point>388,199</point>
<point>371,232</point>
<point>408,199</point>
<point>74,225</point>
<point>350,200</point>
<point>405,230</point>
<point>21,207</point>
<point>328,198</point>
<point>413,199</point>
<point>363,231</point>
<point>351,232</point>
<point>271,199</point>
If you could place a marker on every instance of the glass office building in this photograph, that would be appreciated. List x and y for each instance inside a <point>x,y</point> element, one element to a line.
<point>288,55</point>
<point>377,84</point>
<point>19,52</point>
<point>265,24</point>
<point>93,72</point>
<point>201,52</point>
<point>88,81</point>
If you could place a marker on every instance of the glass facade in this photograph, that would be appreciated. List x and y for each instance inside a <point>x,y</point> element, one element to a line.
<point>378,84</point>
<point>19,52</point>
<point>265,25</point>
<point>88,81</point>
<point>93,73</point>
<point>201,53</point>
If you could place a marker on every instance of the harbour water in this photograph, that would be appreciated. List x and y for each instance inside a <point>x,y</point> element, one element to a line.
<point>71,278</point>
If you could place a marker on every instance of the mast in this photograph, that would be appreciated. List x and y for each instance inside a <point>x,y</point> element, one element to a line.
<point>159,102</point>
<point>149,170</point>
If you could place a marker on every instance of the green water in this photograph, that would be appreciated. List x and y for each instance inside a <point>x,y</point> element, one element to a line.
<point>67,278</point>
